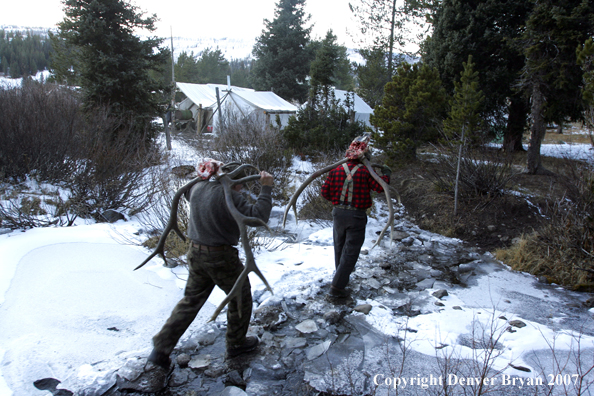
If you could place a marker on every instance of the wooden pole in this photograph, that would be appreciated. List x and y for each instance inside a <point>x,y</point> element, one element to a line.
<point>167,132</point>
<point>219,107</point>
<point>199,120</point>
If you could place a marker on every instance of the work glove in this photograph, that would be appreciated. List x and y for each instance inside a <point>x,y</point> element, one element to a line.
<point>386,171</point>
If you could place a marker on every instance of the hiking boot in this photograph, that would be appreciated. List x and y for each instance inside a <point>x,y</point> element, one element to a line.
<point>340,293</point>
<point>159,359</point>
<point>249,345</point>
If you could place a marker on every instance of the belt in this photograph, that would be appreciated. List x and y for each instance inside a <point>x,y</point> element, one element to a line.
<point>347,207</point>
<point>211,248</point>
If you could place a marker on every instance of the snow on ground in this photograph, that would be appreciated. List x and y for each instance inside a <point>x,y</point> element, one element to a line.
<point>72,308</point>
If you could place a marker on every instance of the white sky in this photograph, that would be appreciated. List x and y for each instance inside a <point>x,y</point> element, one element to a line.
<point>215,19</point>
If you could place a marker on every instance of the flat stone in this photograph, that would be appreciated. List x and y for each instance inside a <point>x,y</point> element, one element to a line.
<point>517,323</point>
<point>318,350</point>
<point>183,359</point>
<point>363,308</point>
<point>307,326</point>
<point>373,283</point>
<point>233,391</point>
<point>200,361</point>
<point>425,284</point>
<point>440,293</point>
<point>294,342</point>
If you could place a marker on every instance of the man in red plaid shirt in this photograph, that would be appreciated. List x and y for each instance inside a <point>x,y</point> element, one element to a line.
<point>348,187</point>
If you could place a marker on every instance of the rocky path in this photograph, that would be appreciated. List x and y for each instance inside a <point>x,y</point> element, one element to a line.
<point>316,346</point>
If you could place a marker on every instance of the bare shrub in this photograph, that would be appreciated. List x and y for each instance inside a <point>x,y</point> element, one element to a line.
<point>312,205</point>
<point>563,248</point>
<point>249,140</point>
<point>90,155</point>
<point>483,172</point>
<point>156,214</point>
<point>40,125</point>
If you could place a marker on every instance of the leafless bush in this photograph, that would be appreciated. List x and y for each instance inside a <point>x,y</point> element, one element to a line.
<point>313,205</point>
<point>40,126</point>
<point>90,155</point>
<point>483,172</point>
<point>155,215</point>
<point>249,140</point>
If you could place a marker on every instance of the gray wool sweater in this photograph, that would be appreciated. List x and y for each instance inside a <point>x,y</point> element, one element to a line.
<point>211,222</point>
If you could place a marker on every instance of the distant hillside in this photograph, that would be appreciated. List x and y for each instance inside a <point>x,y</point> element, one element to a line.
<point>232,48</point>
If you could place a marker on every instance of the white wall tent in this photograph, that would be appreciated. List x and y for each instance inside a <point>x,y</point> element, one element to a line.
<point>362,109</point>
<point>201,100</point>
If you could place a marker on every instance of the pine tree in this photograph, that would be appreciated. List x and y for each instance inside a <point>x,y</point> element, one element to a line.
<point>115,64</point>
<point>372,76</point>
<point>212,67</point>
<point>551,75</point>
<point>413,107</point>
<point>281,57</point>
<point>464,121</point>
<point>485,29</point>
<point>325,64</point>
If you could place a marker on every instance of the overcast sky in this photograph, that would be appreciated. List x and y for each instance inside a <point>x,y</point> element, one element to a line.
<point>187,18</point>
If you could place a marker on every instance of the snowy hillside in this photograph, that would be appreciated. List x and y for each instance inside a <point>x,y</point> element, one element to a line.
<point>232,48</point>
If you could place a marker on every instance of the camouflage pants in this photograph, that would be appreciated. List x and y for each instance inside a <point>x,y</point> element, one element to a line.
<point>207,269</point>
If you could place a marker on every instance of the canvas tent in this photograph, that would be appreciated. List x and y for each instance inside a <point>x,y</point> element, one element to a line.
<point>202,103</point>
<point>362,109</point>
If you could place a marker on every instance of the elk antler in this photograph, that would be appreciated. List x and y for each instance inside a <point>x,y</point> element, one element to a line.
<point>356,150</point>
<point>386,188</point>
<point>293,201</point>
<point>242,221</point>
<point>172,223</point>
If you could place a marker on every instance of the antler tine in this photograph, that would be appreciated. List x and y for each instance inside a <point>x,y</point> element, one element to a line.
<point>250,263</point>
<point>386,188</point>
<point>293,202</point>
<point>171,224</point>
<point>239,169</point>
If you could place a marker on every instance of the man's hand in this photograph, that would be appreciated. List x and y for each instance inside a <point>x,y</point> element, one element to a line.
<point>386,171</point>
<point>266,179</point>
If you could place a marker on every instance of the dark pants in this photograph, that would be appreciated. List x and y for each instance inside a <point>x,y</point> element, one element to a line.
<point>349,235</point>
<point>208,269</point>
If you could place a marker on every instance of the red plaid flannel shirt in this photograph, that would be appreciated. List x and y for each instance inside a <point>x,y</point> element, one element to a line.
<point>363,183</point>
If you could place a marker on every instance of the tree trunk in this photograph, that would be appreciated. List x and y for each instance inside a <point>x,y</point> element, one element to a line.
<point>390,55</point>
<point>537,133</point>
<point>516,123</point>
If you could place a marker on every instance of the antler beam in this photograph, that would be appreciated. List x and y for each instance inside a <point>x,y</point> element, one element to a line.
<point>242,221</point>
<point>293,201</point>
<point>171,224</point>
<point>250,264</point>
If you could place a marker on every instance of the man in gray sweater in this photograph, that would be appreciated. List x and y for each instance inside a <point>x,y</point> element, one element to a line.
<point>213,261</point>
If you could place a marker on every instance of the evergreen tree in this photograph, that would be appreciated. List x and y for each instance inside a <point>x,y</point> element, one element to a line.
<point>186,69</point>
<point>29,53</point>
<point>212,67</point>
<point>64,65</point>
<point>585,58</point>
<point>240,72</point>
<point>411,112</point>
<point>325,123</point>
<point>324,65</point>
<point>281,57</point>
<point>484,29</point>
<point>464,121</point>
<point>115,64</point>
<point>551,75</point>
<point>373,75</point>
<point>331,65</point>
